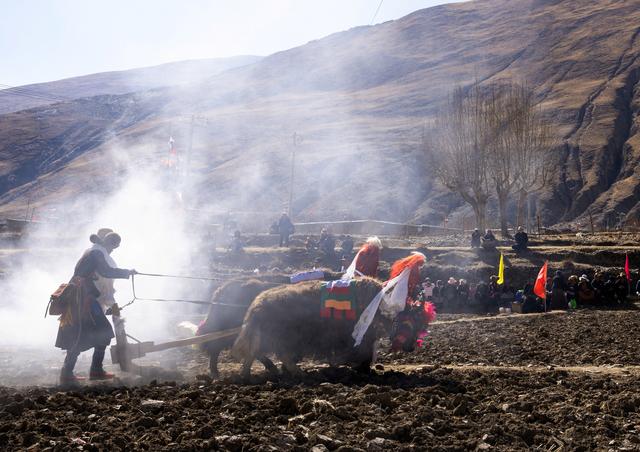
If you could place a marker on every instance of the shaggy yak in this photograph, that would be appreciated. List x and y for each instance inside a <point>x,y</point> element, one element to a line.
<point>287,321</point>
<point>229,306</point>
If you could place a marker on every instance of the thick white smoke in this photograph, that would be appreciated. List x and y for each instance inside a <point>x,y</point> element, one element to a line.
<point>152,224</point>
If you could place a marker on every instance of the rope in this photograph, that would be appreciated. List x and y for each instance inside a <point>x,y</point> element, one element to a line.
<point>180,276</point>
<point>174,300</point>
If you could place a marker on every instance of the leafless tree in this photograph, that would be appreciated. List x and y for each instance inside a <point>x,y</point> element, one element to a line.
<point>491,136</point>
<point>531,139</point>
<point>456,144</point>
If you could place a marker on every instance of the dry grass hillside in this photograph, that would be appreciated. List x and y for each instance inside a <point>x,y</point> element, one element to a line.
<point>359,100</point>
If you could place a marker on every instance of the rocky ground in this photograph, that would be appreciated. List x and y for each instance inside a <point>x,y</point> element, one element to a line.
<point>549,382</point>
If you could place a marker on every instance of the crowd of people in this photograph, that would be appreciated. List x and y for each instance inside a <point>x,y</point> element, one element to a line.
<point>600,289</point>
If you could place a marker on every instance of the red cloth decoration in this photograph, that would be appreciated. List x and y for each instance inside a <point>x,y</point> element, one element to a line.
<point>414,262</point>
<point>368,259</point>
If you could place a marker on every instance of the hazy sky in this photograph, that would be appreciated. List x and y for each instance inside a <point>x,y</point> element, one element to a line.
<point>42,40</point>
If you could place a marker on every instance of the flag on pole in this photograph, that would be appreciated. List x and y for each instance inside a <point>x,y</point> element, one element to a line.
<point>627,270</point>
<point>501,270</point>
<point>540,287</point>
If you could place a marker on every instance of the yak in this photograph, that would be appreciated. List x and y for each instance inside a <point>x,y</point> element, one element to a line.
<point>229,304</point>
<point>287,322</point>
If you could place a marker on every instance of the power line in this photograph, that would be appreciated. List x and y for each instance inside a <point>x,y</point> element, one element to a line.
<point>376,13</point>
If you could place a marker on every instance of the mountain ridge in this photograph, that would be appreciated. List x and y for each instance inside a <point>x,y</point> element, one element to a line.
<point>360,99</point>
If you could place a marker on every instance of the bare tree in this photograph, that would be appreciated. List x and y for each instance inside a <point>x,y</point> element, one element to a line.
<point>502,105</point>
<point>496,136</point>
<point>456,145</point>
<point>532,139</point>
<point>519,145</point>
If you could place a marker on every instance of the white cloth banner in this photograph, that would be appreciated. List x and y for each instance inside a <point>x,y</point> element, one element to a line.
<point>350,272</point>
<point>390,308</point>
<point>105,285</point>
<point>394,303</point>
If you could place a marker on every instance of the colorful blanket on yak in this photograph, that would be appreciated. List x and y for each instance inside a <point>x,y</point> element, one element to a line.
<point>338,300</point>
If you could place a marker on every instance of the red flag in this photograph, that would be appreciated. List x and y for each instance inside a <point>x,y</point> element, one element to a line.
<point>540,288</point>
<point>627,271</point>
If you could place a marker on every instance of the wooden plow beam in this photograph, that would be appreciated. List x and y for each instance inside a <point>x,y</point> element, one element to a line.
<point>124,351</point>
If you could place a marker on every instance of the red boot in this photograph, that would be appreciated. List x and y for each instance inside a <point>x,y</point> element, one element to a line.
<point>99,375</point>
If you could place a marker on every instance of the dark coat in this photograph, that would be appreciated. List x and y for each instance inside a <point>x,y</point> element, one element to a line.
<point>285,226</point>
<point>88,326</point>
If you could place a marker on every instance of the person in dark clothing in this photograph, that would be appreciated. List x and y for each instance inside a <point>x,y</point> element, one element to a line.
<point>463,294</point>
<point>285,229</point>
<point>609,292</point>
<point>347,246</point>
<point>437,293</point>
<point>495,293</point>
<point>489,241</point>
<point>558,291</point>
<point>586,294</point>
<point>530,301</point>
<point>598,285</point>
<point>450,294</point>
<point>482,297</point>
<point>522,239</point>
<point>236,246</point>
<point>327,243</point>
<point>621,288</point>
<point>475,238</point>
<point>572,290</point>
<point>85,325</point>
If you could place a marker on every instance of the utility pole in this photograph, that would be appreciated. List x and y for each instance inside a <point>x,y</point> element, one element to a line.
<point>297,139</point>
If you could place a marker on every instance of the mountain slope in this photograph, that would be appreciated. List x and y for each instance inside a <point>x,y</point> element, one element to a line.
<point>117,82</point>
<point>359,100</point>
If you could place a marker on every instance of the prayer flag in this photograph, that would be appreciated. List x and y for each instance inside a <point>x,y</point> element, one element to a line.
<point>501,270</point>
<point>540,288</point>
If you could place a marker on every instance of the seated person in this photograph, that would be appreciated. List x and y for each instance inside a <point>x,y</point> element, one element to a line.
<point>427,289</point>
<point>347,246</point>
<point>621,288</point>
<point>489,241</point>
<point>463,293</point>
<point>531,303</point>
<point>475,238</point>
<point>586,295</point>
<point>481,297</point>
<point>450,293</point>
<point>326,243</point>
<point>522,239</point>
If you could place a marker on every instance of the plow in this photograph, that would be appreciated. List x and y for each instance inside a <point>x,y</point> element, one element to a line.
<point>124,352</point>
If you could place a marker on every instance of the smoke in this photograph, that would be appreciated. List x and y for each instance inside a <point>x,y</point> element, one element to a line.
<point>155,239</point>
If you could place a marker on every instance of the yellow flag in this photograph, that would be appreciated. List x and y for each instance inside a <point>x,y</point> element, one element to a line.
<point>501,270</point>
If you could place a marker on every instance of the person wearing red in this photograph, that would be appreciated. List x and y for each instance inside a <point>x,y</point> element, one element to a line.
<point>368,257</point>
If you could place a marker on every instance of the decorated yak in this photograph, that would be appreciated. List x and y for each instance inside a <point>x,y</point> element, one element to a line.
<point>313,319</point>
<point>338,321</point>
<point>229,304</point>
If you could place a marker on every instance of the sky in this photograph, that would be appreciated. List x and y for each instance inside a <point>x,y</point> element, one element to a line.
<point>44,40</point>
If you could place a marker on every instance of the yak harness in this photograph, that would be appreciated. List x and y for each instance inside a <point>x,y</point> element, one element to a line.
<point>390,301</point>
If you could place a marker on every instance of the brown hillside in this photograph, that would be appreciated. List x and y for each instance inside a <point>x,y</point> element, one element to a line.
<point>359,100</point>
